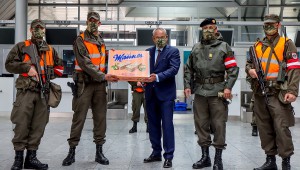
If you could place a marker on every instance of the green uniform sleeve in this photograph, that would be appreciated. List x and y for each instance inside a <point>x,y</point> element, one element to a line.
<point>188,72</point>
<point>232,72</point>
<point>84,61</point>
<point>14,61</point>
<point>292,74</point>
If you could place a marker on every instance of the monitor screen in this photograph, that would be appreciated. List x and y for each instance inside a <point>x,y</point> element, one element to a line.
<point>226,34</point>
<point>297,38</point>
<point>7,35</point>
<point>68,61</point>
<point>144,36</point>
<point>61,36</point>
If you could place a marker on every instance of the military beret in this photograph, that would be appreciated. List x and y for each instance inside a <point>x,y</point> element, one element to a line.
<point>37,22</point>
<point>208,21</point>
<point>94,15</point>
<point>271,18</point>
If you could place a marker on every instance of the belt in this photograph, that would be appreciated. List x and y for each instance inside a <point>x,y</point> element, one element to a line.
<point>210,80</point>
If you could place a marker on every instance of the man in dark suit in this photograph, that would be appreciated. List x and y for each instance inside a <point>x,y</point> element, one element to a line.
<point>160,92</point>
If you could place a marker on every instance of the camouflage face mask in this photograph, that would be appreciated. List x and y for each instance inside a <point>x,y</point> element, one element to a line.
<point>208,34</point>
<point>270,30</point>
<point>92,27</point>
<point>38,33</point>
<point>161,43</point>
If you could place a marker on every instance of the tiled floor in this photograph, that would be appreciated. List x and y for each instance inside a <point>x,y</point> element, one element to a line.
<point>127,151</point>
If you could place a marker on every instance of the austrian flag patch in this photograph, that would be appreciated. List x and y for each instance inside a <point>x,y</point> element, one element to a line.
<point>294,56</point>
<point>293,63</point>
<point>230,62</point>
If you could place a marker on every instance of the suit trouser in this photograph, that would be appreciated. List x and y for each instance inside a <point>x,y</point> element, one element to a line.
<point>94,95</point>
<point>273,122</point>
<point>160,122</point>
<point>207,111</point>
<point>138,99</point>
<point>30,115</point>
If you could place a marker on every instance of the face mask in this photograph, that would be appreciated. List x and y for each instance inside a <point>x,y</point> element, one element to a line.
<point>92,27</point>
<point>270,30</point>
<point>208,34</point>
<point>161,43</point>
<point>38,33</point>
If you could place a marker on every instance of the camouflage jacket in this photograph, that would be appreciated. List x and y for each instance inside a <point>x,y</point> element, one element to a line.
<point>207,60</point>
<point>82,56</point>
<point>14,63</point>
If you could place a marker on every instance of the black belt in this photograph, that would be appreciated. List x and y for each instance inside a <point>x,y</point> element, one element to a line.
<point>210,80</point>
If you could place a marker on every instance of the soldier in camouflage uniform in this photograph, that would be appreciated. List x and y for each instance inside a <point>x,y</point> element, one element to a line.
<point>90,79</point>
<point>281,67</point>
<point>138,99</point>
<point>209,61</point>
<point>30,113</point>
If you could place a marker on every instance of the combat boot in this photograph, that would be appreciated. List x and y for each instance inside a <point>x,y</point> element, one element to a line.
<point>254,130</point>
<point>218,164</point>
<point>205,159</point>
<point>270,163</point>
<point>31,161</point>
<point>286,165</point>
<point>19,159</point>
<point>70,158</point>
<point>100,158</point>
<point>134,128</point>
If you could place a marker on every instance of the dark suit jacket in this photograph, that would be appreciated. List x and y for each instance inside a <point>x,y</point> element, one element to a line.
<point>166,69</point>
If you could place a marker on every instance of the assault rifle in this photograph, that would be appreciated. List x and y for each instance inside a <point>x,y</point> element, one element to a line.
<point>35,60</point>
<point>259,71</point>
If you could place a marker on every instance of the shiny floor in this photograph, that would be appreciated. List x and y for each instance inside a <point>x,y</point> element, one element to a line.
<point>127,151</point>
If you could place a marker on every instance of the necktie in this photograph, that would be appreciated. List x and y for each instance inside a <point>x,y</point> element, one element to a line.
<point>157,57</point>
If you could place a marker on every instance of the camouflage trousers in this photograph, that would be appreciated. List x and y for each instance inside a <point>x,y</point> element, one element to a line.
<point>138,99</point>
<point>30,116</point>
<point>94,96</point>
<point>210,112</point>
<point>273,122</point>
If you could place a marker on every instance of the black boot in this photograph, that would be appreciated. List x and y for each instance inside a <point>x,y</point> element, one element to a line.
<point>31,162</point>
<point>286,165</point>
<point>70,158</point>
<point>270,163</point>
<point>19,159</point>
<point>134,128</point>
<point>205,159</point>
<point>218,165</point>
<point>100,158</point>
<point>254,130</point>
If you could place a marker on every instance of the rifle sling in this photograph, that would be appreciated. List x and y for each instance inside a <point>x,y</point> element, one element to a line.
<point>268,64</point>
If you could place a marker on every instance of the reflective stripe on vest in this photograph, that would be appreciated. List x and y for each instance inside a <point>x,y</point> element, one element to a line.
<point>274,65</point>
<point>49,60</point>
<point>97,58</point>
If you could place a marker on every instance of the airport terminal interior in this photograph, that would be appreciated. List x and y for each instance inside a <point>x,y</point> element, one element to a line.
<point>128,25</point>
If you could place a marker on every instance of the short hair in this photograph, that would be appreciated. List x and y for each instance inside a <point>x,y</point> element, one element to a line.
<point>161,29</point>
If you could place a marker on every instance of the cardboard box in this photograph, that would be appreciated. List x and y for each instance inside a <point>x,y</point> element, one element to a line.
<point>129,65</point>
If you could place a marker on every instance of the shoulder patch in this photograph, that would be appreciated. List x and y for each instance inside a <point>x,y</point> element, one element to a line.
<point>294,56</point>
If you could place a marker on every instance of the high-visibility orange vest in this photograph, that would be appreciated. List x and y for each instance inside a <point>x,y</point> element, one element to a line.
<point>49,60</point>
<point>274,65</point>
<point>97,58</point>
<point>139,89</point>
